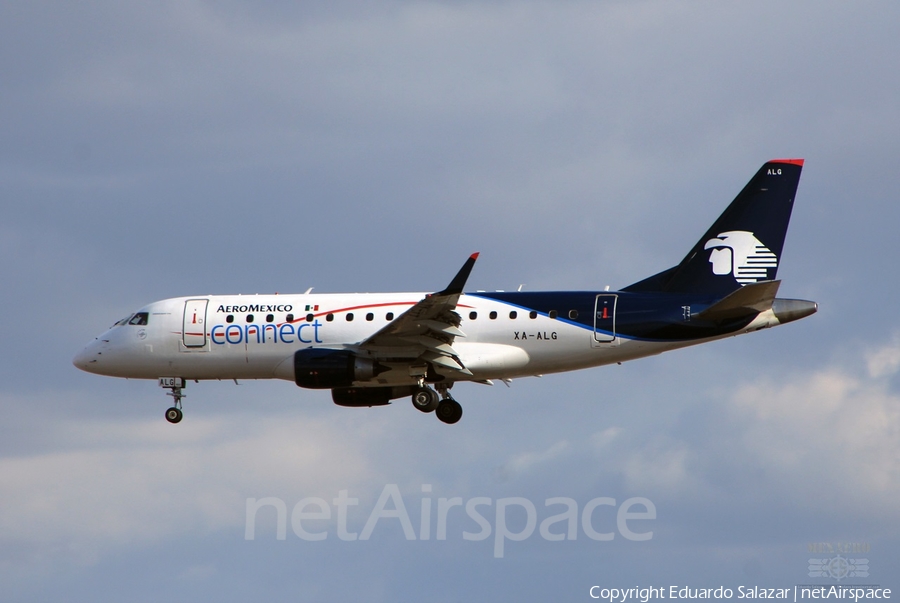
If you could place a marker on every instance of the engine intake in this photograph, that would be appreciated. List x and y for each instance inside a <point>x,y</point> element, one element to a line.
<point>317,368</point>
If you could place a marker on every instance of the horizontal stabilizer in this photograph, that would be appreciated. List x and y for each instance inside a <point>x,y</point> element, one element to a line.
<point>748,300</point>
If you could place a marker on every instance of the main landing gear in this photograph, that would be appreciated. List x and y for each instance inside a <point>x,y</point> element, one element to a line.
<point>425,399</point>
<point>176,384</point>
<point>447,409</point>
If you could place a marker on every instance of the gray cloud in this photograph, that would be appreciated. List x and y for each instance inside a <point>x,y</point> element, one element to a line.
<point>191,147</point>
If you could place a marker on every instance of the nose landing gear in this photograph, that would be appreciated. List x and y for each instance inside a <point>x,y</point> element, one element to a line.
<point>176,384</point>
<point>174,415</point>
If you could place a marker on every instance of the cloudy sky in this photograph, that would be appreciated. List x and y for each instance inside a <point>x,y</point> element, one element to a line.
<point>165,149</point>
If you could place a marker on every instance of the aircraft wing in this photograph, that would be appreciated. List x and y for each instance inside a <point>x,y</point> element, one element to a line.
<point>427,330</point>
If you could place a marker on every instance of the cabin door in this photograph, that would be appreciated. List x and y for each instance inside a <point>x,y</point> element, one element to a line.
<point>605,318</point>
<point>193,331</point>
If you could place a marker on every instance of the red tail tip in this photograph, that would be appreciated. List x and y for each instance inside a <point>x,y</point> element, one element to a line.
<point>791,161</point>
<point>474,256</point>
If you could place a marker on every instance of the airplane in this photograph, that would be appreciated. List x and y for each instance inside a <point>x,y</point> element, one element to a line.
<point>370,349</point>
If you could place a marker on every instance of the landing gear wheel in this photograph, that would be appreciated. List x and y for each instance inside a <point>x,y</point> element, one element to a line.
<point>449,411</point>
<point>174,415</point>
<point>425,399</point>
<point>175,384</point>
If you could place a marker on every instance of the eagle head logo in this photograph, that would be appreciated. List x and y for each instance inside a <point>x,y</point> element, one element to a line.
<point>739,253</point>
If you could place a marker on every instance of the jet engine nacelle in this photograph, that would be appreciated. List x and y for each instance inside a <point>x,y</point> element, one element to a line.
<point>362,396</point>
<point>318,368</point>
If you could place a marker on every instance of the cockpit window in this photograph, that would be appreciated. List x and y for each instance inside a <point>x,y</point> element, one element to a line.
<point>124,321</point>
<point>139,319</point>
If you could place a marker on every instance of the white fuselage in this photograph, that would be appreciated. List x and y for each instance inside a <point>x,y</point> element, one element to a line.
<point>256,336</point>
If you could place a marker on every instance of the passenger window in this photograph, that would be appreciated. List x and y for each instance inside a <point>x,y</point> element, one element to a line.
<point>139,319</point>
<point>329,317</point>
<point>532,314</point>
<point>492,315</point>
<point>349,316</point>
<point>513,314</point>
<point>270,317</point>
<point>289,318</point>
<point>309,317</point>
<point>229,318</point>
<point>389,316</point>
<point>473,315</point>
<point>552,313</point>
<point>573,314</point>
<point>370,316</point>
<point>249,318</point>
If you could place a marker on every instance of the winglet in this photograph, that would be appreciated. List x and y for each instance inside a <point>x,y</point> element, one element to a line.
<point>459,281</point>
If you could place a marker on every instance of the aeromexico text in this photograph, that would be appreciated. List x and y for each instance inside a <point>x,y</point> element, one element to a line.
<point>255,308</point>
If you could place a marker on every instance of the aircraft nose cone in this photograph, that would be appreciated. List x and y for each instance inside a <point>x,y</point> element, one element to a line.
<point>86,358</point>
